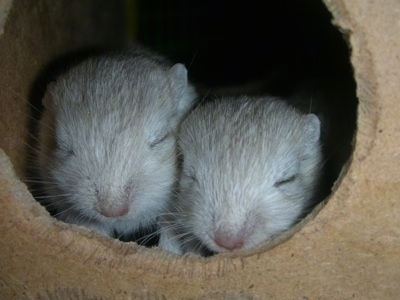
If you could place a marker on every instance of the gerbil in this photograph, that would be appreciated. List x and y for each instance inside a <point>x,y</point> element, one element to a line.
<point>251,169</point>
<point>107,147</point>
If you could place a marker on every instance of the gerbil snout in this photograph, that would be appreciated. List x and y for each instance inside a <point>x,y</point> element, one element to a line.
<point>110,210</point>
<point>229,240</point>
<point>113,204</point>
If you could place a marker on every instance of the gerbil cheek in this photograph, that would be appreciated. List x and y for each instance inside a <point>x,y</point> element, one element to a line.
<point>165,152</point>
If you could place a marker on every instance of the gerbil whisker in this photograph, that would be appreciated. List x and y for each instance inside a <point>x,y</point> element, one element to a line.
<point>52,196</point>
<point>23,99</point>
<point>311,102</point>
<point>35,108</point>
<point>146,238</point>
<point>119,236</point>
<point>194,56</point>
<point>198,103</point>
<point>40,181</point>
<point>62,212</point>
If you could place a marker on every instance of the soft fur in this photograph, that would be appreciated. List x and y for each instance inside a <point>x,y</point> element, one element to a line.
<point>251,168</point>
<point>107,140</point>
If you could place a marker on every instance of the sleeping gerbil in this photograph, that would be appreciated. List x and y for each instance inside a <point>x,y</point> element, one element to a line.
<point>251,168</point>
<point>107,147</point>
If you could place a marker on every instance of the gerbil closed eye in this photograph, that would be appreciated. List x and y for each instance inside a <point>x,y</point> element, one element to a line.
<point>65,148</point>
<point>189,175</point>
<point>285,181</point>
<point>159,140</point>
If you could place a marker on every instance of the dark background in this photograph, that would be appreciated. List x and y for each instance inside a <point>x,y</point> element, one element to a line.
<point>230,42</point>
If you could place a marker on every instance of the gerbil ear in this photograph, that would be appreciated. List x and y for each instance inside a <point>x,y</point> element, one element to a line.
<point>184,93</point>
<point>313,128</point>
<point>179,73</point>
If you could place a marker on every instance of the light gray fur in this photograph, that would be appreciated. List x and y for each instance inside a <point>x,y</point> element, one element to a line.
<point>237,153</point>
<point>107,140</point>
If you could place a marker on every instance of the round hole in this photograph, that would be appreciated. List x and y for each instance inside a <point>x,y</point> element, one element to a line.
<point>288,49</point>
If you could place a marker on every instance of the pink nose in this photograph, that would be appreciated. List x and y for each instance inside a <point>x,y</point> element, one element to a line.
<point>229,241</point>
<point>114,210</point>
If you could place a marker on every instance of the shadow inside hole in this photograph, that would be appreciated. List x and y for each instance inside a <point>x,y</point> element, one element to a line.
<point>226,43</point>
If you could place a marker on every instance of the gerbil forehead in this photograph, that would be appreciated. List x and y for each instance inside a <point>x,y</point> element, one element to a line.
<point>238,141</point>
<point>82,126</point>
<point>120,110</point>
<point>248,163</point>
<point>244,158</point>
<point>127,86</point>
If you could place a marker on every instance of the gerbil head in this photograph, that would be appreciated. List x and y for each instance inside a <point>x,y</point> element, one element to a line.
<point>249,170</point>
<point>107,145</point>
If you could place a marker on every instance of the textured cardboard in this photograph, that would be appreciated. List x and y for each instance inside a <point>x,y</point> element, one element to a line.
<point>349,249</point>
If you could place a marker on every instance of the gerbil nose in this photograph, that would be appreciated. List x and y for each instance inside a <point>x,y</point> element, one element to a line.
<point>114,211</point>
<point>229,241</point>
<point>112,202</point>
<point>110,211</point>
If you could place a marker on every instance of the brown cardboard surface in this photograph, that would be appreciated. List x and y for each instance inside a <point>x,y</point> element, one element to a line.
<point>350,249</point>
